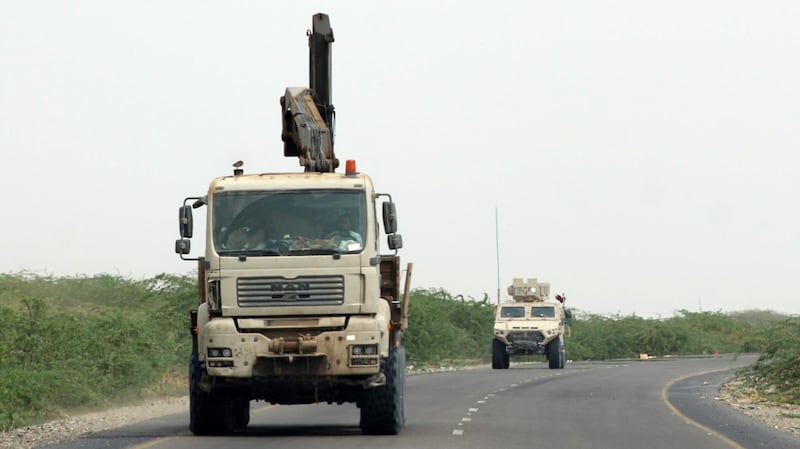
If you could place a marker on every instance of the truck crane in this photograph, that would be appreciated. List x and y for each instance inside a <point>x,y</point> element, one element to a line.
<point>308,112</point>
<point>296,302</point>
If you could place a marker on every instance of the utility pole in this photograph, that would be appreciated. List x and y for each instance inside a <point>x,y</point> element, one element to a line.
<point>497,247</point>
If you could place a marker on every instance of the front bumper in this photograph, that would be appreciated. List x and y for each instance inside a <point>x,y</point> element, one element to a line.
<point>291,354</point>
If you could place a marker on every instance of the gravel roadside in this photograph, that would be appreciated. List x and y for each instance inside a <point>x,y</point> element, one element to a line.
<point>782,417</point>
<point>74,427</point>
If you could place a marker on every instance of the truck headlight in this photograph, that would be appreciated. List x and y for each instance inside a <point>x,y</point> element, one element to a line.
<point>363,355</point>
<point>364,349</point>
<point>220,352</point>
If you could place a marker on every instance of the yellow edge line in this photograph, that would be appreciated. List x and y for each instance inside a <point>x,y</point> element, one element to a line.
<point>665,399</point>
<point>158,441</point>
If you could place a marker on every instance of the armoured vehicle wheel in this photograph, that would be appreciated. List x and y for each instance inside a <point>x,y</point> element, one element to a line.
<point>500,357</point>
<point>556,354</point>
<point>383,410</point>
<point>208,414</point>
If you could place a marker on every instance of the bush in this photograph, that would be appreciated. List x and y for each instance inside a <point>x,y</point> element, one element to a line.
<point>92,341</point>
<point>68,348</point>
<point>776,374</point>
<point>447,329</point>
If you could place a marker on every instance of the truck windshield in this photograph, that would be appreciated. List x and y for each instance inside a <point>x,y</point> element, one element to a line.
<point>289,223</point>
<point>543,312</point>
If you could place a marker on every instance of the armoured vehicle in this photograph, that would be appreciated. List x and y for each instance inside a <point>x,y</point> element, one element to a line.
<point>529,324</point>
<point>297,304</point>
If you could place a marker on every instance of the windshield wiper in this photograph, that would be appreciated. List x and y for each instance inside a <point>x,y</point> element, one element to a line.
<point>314,252</point>
<point>250,253</point>
<point>262,252</point>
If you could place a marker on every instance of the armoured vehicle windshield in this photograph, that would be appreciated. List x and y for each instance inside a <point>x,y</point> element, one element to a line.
<point>543,312</point>
<point>512,312</point>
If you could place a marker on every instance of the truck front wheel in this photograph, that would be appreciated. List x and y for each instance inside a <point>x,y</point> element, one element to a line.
<point>383,409</point>
<point>208,413</point>
<point>242,410</point>
<point>500,357</point>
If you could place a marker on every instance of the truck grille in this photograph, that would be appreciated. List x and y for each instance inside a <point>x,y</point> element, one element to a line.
<point>280,291</point>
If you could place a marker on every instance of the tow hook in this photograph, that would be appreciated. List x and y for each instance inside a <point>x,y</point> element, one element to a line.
<point>377,380</point>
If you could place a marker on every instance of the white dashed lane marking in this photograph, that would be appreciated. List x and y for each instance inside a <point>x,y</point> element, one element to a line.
<point>472,410</point>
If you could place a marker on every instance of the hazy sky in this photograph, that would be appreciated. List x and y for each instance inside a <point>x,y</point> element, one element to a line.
<point>642,156</point>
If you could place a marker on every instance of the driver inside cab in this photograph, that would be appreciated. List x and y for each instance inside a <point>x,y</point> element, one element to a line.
<point>344,235</point>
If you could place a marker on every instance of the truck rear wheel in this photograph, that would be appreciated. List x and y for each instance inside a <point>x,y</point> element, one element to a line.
<point>208,413</point>
<point>383,409</point>
<point>556,354</point>
<point>500,357</point>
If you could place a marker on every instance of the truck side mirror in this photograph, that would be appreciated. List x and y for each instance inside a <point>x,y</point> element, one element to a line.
<point>389,218</point>
<point>183,246</point>
<point>395,241</point>
<point>185,224</point>
<point>568,314</point>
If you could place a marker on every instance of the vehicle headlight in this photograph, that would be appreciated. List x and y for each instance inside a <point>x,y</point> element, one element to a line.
<point>364,355</point>
<point>364,350</point>
<point>220,352</point>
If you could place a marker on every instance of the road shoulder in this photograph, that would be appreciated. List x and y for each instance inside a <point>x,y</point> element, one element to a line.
<point>702,399</point>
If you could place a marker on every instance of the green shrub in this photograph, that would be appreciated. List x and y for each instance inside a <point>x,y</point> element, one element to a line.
<point>776,374</point>
<point>447,329</point>
<point>88,341</point>
<point>84,342</point>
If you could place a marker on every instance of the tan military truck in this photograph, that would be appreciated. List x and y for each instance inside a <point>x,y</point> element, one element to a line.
<point>529,324</point>
<point>297,302</point>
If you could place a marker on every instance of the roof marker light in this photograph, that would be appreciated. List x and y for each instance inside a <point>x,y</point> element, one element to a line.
<point>350,167</point>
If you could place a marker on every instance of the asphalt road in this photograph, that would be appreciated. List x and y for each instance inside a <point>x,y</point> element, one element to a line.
<point>622,405</point>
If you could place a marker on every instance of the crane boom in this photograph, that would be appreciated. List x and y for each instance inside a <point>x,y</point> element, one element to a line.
<point>308,114</point>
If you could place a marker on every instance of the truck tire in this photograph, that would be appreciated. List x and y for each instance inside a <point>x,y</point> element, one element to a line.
<point>500,357</point>
<point>383,409</point>
<point>242,410</point>
<point>208,414</point>
<point>556,354</point>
